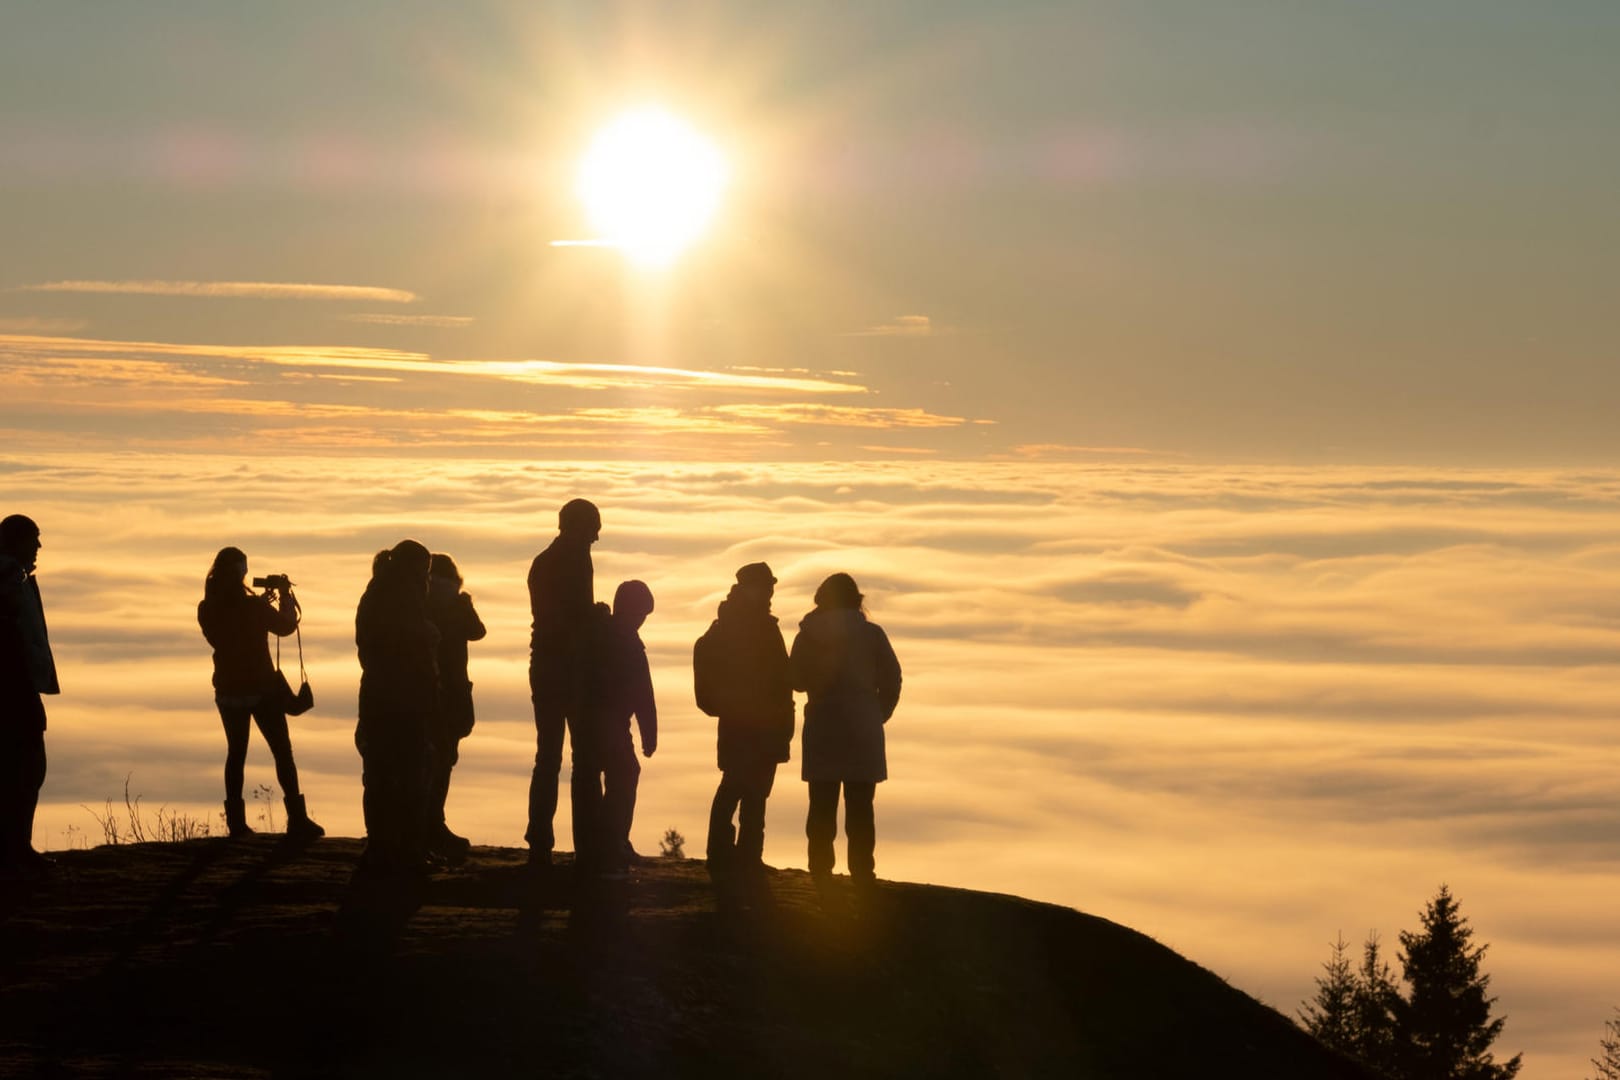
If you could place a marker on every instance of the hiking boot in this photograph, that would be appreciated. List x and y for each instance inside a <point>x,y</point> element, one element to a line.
<point>448,843</point>
<point>299,825</point>
<point>236,825</point>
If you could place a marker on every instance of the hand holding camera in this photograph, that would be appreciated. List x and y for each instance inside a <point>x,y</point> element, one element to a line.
<point>273,582</point>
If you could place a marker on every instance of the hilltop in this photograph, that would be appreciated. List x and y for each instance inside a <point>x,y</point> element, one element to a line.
<point>246,959</point>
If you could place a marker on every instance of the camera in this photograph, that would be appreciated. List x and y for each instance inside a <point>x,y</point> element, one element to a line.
<point>272,581</point>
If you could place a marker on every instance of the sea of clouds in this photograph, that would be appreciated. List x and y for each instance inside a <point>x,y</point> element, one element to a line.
<point>1239,709</point>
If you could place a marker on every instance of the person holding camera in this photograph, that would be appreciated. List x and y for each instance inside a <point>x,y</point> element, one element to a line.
<point>235,621</point>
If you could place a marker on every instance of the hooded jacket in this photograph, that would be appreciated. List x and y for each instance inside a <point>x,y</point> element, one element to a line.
<point>620,684</point>
<point>848,668</point>
<point>740,675</point>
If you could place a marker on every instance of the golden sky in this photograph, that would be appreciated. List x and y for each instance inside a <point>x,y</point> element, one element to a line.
<point>1215,401</point>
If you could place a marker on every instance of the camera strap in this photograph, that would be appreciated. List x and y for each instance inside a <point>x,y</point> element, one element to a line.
<point>298,633</point>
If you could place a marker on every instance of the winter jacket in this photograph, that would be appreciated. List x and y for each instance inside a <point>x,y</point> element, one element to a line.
<point>453,615</point>
<point>399,671</point>
<point>560,598</point>
<point>740,675</point>
<point>847,667</point>
<point>27,667</point>
<point>235,625</point>
<point>620,684</point>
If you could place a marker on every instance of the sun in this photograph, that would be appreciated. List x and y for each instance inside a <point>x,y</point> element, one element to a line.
<point>650,183</point>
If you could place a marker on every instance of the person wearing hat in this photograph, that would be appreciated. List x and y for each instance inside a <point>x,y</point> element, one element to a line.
<point>561,597</point>
<point>27,670</point>
<point>740,676</point>
<point>846,666</point>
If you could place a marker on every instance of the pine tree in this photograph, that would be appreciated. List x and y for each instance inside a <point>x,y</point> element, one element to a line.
<point>1444,1028</point>
<point>1373,1021</point>
<point>1608,1066</point>
<point>1330,1015</point>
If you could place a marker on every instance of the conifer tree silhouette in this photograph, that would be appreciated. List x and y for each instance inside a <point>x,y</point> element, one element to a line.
<point>1608,1066</point>
<point>1373,1020</point>
<point>1331,1014</point>
<point>1444,1026</point>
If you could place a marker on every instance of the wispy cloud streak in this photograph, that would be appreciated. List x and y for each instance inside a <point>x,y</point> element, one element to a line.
<point>359,358</point>
<point>908,326</point>
<point>250,290</point>
<point>383,319</point>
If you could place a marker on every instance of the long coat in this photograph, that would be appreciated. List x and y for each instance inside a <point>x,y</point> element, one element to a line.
<point>740,675</point>
<point>399,670</point>
<point>850,672</point>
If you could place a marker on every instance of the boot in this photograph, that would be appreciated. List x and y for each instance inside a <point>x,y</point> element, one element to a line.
<point>236,819</point>
<point>447,845</point>
<point>299,825</point>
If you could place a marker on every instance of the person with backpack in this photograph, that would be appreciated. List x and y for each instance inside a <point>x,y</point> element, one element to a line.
<point>844,662</point>
<point>740,677</point>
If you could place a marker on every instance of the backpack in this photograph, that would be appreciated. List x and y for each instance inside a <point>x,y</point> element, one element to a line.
<point>709,670</point>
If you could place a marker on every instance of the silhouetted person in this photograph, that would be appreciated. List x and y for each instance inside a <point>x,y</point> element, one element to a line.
<point>561,595</point>
<point>849,670</point>
<point>235,621</point>
<point>27,670</point>
<point>452,613</point>
<point>399,687</point>
<point>606,772</point>
<point>740,675</point>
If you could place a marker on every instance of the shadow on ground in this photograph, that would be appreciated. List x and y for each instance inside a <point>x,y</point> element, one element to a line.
<point>251,958</point>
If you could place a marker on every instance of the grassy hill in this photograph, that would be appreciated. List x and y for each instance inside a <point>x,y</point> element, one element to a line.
<point>219,959</point>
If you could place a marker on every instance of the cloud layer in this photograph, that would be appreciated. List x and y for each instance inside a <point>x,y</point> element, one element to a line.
<point>1239,709</point>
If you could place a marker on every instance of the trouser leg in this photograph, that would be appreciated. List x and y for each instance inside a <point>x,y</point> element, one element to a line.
<point>585,799</point>
<point>620,778</point>
<point>860,827</point>
<point>33,781</point>
<point>392,779</point>
<point>722,837</point>
<point>236,723</point>
<point>273,726</point>
<point>22,774</point>
<point>751,812</point>
<point>550,723</point>
<point>441,755</point>
<point>821,826</point>
<point>373,803</point>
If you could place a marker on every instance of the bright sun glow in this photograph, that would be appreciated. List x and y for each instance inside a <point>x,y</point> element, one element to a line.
<point>650,184</point>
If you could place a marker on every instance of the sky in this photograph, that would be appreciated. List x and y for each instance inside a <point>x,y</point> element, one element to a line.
<point>1215,402</point>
